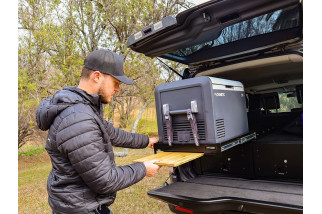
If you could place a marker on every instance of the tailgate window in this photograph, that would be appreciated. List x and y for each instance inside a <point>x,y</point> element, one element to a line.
<point>267,23</point>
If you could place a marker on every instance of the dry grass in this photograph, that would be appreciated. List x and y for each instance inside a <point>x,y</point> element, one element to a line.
<point>33,172</point>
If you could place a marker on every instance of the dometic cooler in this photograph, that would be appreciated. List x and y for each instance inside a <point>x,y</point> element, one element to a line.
<point>201,111</point>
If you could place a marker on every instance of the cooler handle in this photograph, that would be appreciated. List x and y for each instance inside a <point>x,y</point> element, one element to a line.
<point>190,116</point>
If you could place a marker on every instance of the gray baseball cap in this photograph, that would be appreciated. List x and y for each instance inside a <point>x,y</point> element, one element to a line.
<point>107,62</point>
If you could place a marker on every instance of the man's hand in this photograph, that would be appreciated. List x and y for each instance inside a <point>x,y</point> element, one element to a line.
<point>151,168</point>
<point>152,141</point>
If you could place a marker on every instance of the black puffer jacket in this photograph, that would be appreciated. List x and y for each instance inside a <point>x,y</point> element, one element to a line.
<point>79,143</point>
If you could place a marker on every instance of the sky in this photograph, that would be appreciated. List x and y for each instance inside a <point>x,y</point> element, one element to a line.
<point>198,1</point>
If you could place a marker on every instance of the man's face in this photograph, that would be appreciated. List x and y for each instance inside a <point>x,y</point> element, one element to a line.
<point>108,88</point>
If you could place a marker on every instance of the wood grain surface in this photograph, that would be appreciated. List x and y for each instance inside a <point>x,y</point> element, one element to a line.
<point>171,158</point>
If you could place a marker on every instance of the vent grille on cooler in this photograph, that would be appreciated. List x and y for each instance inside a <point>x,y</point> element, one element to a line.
<point>220,128</point>
<point>185,126</point>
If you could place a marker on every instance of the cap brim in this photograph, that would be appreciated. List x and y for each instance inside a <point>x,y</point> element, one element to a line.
<point>124,79</point>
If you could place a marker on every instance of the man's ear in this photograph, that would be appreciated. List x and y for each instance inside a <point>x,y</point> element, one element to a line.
<point>96,75</point>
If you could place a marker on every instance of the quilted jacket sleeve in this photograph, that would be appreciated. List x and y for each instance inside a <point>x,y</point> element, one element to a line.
<point>125,139</point>
<point>80,139</point>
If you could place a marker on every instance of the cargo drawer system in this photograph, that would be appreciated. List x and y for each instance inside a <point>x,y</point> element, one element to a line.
<point>202,111</point>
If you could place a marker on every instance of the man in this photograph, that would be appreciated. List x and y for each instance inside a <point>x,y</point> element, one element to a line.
<point>84,177</point>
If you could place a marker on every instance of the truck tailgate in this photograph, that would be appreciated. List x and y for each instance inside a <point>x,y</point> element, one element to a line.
<point>210,194</point>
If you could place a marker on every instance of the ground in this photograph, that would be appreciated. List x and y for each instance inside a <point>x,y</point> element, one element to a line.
<point>34,170</point>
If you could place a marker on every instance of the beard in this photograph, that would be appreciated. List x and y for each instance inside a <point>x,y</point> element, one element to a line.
<point>104,101</point>
<point>104,97</point>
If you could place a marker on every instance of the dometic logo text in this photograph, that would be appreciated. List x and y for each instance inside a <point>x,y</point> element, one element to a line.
<point>220,94</point>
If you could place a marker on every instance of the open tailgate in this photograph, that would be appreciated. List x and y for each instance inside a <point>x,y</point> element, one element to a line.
<point>178,37</point>
<point>210,194</point>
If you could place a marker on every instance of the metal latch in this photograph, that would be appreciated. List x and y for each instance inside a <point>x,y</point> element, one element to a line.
<point>168,122</point>
<point>193,123</point>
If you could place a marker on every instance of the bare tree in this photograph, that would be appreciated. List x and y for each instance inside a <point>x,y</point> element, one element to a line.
<point>55,37</point>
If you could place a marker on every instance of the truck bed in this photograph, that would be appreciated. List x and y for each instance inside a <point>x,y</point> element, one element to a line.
<point>211,194</point>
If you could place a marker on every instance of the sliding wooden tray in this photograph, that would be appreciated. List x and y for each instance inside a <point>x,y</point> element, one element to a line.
<point>171,158</point>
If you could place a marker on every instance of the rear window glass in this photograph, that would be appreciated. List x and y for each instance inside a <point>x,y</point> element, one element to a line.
<point>288,101</point>
<point>271,22</point>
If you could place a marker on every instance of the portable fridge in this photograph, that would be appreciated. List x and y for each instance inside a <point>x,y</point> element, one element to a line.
<point>201,111</point>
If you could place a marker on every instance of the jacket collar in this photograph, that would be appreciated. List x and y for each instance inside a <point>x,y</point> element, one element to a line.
<point>93,99</point>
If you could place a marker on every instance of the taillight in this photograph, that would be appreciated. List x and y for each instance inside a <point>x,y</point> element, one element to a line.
<point>183,209</point>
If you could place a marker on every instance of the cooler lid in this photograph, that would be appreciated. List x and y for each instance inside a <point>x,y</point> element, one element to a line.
<point>224,84</point>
